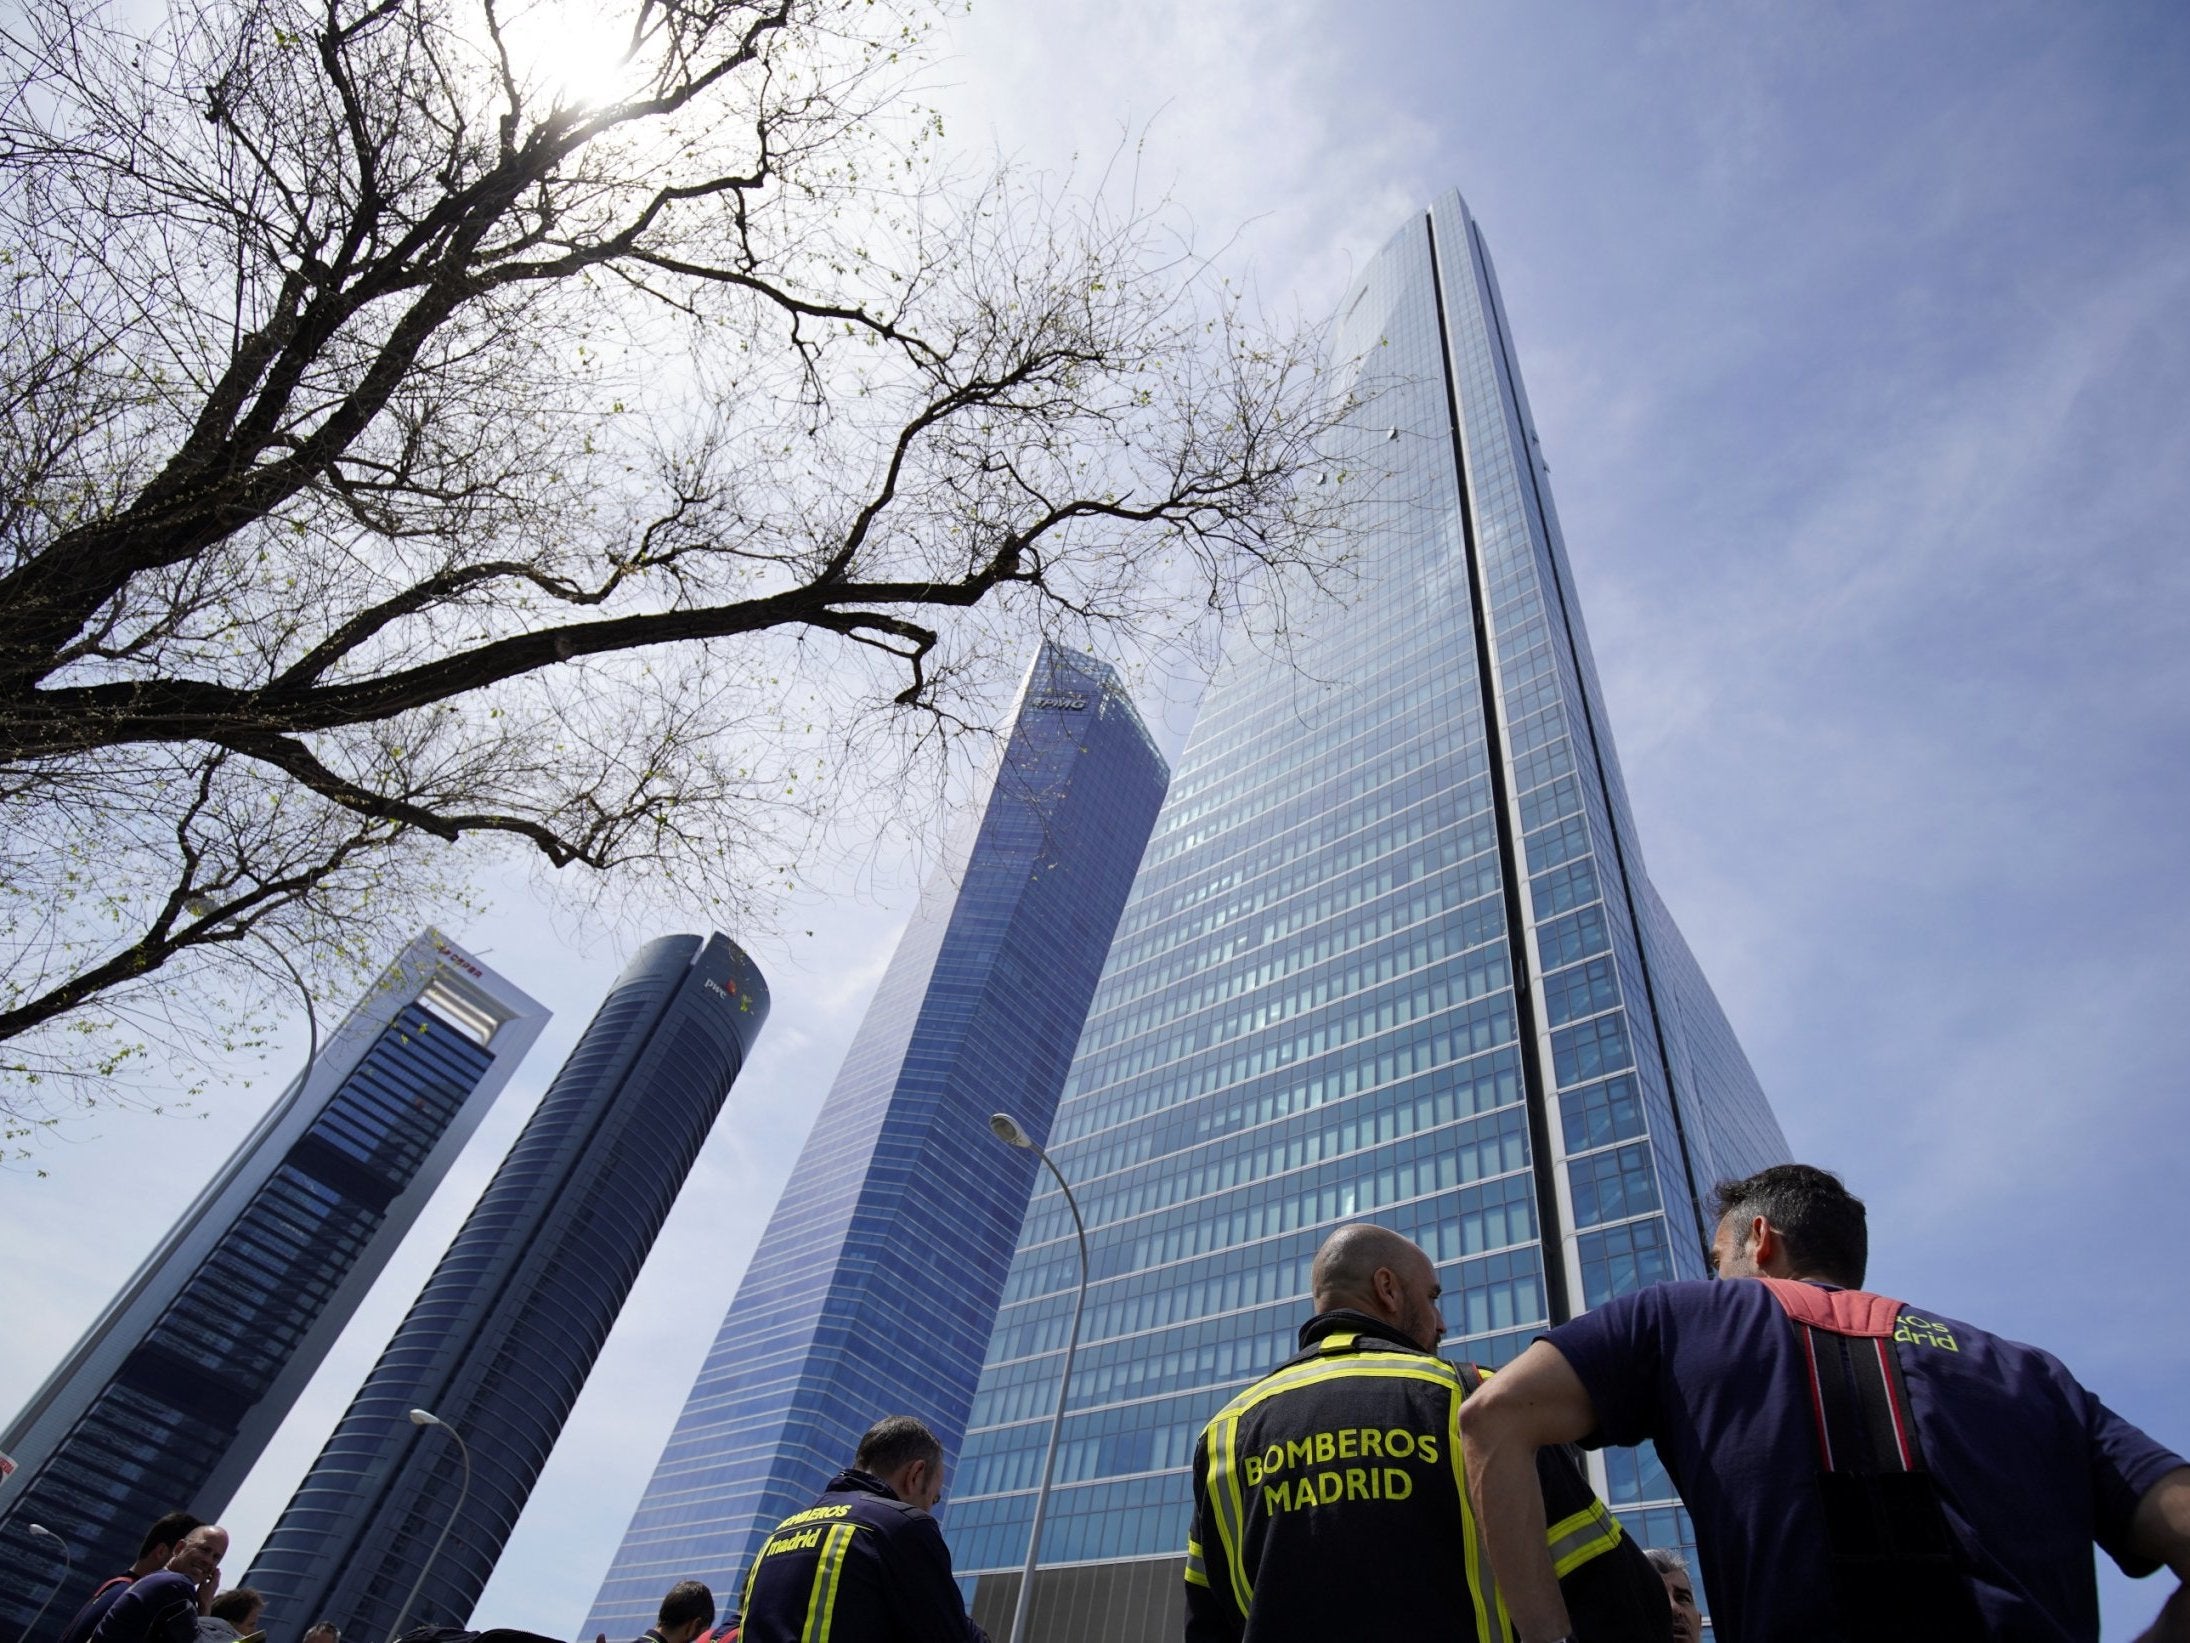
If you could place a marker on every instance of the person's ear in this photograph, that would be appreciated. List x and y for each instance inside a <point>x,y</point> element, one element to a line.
<point>1385,1283</point>
<point>1765,1244</point>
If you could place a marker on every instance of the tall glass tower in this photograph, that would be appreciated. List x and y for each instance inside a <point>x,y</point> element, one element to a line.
<point>501,1340</point>
<point>169,1399</point>
<point>873,1289</point>
<point>1391,954</point>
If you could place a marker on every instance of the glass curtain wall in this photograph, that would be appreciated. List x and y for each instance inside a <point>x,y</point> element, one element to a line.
<point>875,1284</point>
<point>170,1398</point>
<point>501,1340</point>
<point>1310,1013</point>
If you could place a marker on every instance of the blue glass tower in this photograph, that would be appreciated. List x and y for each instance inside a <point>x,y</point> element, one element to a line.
<point>873,1288</point>
<point>499,1343</point>
<point>169,1399</point>
<point>1391,954</point>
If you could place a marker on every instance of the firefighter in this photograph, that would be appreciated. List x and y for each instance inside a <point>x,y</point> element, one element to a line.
<point>1329,1497</point>
<point>1855,1469</point>
<point>865,1563</point>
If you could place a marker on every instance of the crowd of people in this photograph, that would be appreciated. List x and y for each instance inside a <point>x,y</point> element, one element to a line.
<point>1857,1472</point>
<point>173,1594</point>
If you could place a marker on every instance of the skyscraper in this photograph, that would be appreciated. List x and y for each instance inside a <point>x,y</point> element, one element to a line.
<point>1392,953</point>
<point>505,1332</point>
<point>169,1399</point>
<point>873,1288</point>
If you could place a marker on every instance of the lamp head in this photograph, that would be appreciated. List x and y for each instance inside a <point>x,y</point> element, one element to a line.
<point>424,1417</point>
<point>1008,1130</point>
<point>42,1530</point>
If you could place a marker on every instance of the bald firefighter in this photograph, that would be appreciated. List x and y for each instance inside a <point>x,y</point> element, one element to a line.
<point>1329,1496</point>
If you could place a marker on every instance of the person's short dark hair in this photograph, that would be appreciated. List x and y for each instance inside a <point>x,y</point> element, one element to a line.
<point>687,1601</point>
<point>238,1604</point>
<point>1822,1222</point>
<point>168,1530</point>
<point>893,1442</point>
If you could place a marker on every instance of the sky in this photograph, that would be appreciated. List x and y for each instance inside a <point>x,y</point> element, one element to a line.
<point>1856,336</point>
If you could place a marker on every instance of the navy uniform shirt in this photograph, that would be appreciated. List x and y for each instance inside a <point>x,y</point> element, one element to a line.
<point>161,1608</point>
<point>857,1566</point>
<point>2032,1468</point>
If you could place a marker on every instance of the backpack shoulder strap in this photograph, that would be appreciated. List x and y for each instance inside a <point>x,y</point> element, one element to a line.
<point>1841,1311</point>
<point>1857,1400</point>
<point>1891,1549</point>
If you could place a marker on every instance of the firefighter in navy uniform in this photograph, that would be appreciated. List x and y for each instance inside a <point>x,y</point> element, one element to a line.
<point>1330,1496</point>
<point>865,1563</point>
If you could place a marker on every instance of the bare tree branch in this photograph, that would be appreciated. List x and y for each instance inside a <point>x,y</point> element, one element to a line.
<point>402,454</point>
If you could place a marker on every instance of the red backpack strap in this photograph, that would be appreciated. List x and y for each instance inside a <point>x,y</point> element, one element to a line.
<point>1842,1311</point>
<point>1892,1552</point>
<point>1857,1399</point>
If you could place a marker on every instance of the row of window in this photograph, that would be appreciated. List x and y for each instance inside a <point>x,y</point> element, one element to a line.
<point>1464,956</point>
<point>1337,1093</point>
<point>1396,1011</point>
<point>1445,748</point>
<point>1238,1160</point>
<point>1493,1213</point>
<point>1400,693</point>
<point>1445,888</point>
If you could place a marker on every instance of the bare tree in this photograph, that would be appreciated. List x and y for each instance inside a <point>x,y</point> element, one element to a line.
<point>407,453</point>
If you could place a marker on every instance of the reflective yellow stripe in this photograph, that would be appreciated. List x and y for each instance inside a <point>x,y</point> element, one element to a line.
<point>745,1603</point>
<point>1491,1619</point>
<point>1409,1367</point>
<point>1232,1523</point>
<point>1589,1533</point>
<point>828,1571</point>
<point>1195,1572</point>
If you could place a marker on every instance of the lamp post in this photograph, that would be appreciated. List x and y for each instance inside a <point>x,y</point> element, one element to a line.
<point>1009,1130</point>
<point>426,1417</point>
<point>38,1531</point>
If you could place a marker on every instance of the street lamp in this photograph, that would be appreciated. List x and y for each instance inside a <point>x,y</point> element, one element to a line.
<point>426,1417</point>
<point>1010,1131</point>
<point>38,1531</point>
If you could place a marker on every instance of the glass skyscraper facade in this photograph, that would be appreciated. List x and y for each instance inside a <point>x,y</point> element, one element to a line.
<point>499,1343</point>
<point>873,1289</point>
<point>170,1398</point>
<point>1391,954</point>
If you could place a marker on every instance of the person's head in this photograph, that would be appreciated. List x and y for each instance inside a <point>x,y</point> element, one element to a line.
<point>240,1606</point>
<point>159,1540</point>
<point>323,1631</point>
<point>1372,1269</point>
<point>1791,1221</point>
<point>198,1554</point>
<point>904,1454</point>
<point>687,1611</point>
<point>1680,1591</point>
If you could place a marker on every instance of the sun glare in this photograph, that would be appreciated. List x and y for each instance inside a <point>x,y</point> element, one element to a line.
<point>574,53</point>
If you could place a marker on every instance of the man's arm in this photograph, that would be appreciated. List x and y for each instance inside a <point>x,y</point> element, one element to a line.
<point>1535,1400</point>
<point>2160,1530</point>
<point>1212,1615</point>
<point>929,1609</point>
